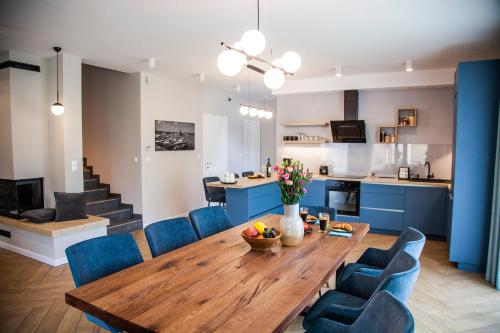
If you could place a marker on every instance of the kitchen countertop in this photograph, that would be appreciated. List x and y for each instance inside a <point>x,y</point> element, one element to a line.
<point>248,183</point>
<point>384,181</point>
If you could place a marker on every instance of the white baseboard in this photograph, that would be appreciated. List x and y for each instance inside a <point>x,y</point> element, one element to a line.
<point>33,255</point>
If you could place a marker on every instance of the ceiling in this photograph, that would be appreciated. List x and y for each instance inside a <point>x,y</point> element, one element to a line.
<point>363,36</point>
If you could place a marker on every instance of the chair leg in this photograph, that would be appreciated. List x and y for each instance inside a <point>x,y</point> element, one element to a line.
<point>208,204</point>
<point>327,284</point>
<point>319,293</point>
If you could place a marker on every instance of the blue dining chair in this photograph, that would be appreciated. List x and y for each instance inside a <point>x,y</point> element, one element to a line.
<point>351,296</point>
<point>373,260</point>
<point>168,235</point>
<point>384,313</point>
<point>315,210</point>
<point>209,220</point>
<point>96,258</point>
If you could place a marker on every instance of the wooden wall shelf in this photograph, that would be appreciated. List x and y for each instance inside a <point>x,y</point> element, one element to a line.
<point>306,124</point>
<point>409,114</point>
<point>388,131</point>
<point>303,142</point>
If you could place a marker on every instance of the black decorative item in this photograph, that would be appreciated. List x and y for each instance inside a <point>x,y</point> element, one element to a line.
<point>174,135</point>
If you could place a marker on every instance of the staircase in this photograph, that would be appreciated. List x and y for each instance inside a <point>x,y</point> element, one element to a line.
<point>101,202</point>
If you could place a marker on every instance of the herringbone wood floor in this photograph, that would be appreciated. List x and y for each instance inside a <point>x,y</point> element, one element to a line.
<point>444,299</point>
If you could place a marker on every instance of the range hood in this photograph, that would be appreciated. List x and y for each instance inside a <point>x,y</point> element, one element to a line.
<point>349,130</point>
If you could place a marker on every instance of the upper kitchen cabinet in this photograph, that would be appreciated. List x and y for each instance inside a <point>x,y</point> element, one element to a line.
<point>477,92</point>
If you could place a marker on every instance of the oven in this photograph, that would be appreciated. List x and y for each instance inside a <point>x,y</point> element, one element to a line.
<point>343,195</point>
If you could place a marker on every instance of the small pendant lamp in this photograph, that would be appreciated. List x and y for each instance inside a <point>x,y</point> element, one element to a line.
<point>57,108</point>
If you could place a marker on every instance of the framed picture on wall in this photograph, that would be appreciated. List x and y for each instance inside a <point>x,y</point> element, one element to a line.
<point>173,135</point>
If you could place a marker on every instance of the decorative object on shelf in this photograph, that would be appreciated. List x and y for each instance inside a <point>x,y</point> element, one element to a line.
<point>292,180</point>
<point>174,135</point>
<point>387,134</point>
<point>404,173</point>
<point>57,108</point>
<point>407,117</point>
<point>253,42</point>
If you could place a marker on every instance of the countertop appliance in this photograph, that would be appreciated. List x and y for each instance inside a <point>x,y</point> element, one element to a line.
<point>323,170</point>
<point>350,129</point>
<point>343,195</point>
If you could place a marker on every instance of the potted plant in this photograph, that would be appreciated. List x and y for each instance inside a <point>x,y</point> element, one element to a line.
<point>292,180</point>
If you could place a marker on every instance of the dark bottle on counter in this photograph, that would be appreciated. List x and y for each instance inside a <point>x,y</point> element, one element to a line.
<point>268,167</point>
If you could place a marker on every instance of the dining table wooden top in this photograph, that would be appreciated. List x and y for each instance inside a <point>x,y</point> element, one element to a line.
<point>218,284</point>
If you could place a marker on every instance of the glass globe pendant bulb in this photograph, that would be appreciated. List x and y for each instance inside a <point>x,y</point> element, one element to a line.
<point>253,42</point>
<point>252,112</point>
<point>291,62</point>
<point>242,58</point>
<point>243,110</point>
<point>229,62</point>
<point>57,109</point>
<point>261,113</point>
<point>268,115</point>
<point>274,78</point>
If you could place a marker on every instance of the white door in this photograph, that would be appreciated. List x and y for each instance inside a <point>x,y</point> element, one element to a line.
<point>215,143</point>
<point>251,145</point>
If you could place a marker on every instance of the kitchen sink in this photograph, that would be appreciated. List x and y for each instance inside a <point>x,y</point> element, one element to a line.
<point>430,180</point>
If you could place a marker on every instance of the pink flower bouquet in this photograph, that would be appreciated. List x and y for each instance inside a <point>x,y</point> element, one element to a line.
<point>292,180</point>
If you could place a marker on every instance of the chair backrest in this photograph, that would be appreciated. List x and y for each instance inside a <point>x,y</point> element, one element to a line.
<point>399,276</point>
<point>207,180</point>
<point>247,173</point>
<point>168,235</point>
<point>410,240</point>
<point>315,210</point>
<point>236,175</point>
<point>209,220</point>
<point>384,313</point>
<point>96,258</point>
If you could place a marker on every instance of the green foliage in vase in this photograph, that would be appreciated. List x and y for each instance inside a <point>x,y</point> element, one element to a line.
<point>292,180</point>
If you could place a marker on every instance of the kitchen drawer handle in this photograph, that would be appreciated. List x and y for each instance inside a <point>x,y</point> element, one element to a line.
<point>384,209</point>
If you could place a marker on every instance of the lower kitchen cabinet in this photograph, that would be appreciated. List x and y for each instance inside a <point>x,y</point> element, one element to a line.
<point>315,195</point>
<point>426,209</point>
<point>382,219</point>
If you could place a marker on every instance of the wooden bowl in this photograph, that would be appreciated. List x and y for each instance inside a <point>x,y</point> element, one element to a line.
<point>262,244</point>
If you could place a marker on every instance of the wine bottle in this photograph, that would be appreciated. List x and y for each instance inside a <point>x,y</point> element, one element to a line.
<point>268,167</point>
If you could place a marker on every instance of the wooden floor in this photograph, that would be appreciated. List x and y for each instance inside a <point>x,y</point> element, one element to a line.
<point>444,299</point>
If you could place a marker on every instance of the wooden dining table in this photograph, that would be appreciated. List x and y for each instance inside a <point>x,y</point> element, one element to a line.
<point>218,284</point>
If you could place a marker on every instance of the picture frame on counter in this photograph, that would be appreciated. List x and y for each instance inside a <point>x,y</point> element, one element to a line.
<point>404,173</point>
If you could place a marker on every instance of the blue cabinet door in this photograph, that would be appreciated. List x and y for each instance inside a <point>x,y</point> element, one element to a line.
<point>382,219</point>
<point>315,195</point>
<point>426,209</point>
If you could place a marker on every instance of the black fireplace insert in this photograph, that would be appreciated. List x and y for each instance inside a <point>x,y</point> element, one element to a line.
<point>20,195</point>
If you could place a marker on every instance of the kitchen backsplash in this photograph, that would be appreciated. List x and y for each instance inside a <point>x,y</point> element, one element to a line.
<point>385,159</point>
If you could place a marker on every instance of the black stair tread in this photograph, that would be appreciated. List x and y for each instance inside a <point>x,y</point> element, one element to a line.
<point>111,196</point>
<point>100,187</point>
<point>134,218</point>
<point>121,208</point>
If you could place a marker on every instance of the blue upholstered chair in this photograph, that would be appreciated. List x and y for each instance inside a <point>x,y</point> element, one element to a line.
<point>315,210</point>
<point>374,260</point>
<point>214,194</point>
<point>351,296</point>
<point>168,235</point>
<point>384,313</point>
<point>209,220</point>
<point>96,258</point>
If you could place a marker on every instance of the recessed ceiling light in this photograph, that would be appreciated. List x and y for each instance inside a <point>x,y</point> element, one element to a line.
<point>151,63</point>
<point>338,71</point>
<point>409,66</point>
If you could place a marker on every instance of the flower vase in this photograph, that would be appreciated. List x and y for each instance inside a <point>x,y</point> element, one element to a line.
<point>292,226</point>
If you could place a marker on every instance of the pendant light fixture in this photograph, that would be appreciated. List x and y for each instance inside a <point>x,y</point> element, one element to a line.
<point>249,110</point>
<point>253,42</point>
<point>57,108</point>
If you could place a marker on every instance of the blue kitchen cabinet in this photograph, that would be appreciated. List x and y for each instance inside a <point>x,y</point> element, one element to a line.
<point>477,92</point>
<point>382,207</point>
<point>347,218</point>
<point>315,195</point>
<point>426,209</point>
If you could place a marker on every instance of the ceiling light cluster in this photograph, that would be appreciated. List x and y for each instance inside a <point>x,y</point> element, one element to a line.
<point>255,112</point>
<point>253,42</point>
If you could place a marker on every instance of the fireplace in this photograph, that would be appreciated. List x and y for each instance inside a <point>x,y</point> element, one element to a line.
<point>20,195</point>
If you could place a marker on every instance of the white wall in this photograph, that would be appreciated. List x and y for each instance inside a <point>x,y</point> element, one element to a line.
<point>216,102</point>
<point>171,180</point>
<point>376,107</point>
<point>6,158</point>
<point>112,130</point>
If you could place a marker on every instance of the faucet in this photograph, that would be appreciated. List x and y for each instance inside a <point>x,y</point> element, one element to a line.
<point>429,175</point>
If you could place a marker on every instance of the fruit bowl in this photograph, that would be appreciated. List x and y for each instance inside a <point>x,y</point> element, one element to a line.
<point>262,244</point>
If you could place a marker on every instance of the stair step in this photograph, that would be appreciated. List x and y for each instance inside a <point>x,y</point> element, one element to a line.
<point>121,213</point>
<point>100,206</point>
<point>90,184</point>
<point>132,224</point>
<point>99,193</point>
<point>87,174</point>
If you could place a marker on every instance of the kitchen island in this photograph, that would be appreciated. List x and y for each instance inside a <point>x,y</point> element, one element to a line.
<point>251,198</point>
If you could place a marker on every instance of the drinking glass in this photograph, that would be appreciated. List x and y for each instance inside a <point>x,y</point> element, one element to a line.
<point>324,219</point>
<point>304,211</point>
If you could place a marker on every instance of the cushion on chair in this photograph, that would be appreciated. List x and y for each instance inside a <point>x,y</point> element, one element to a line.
<point>42,215</point>
<point>351,268</point>
<point>209,220</point>
<point>383,313</point>
<point>70,206</point>
<point>168,235</point>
